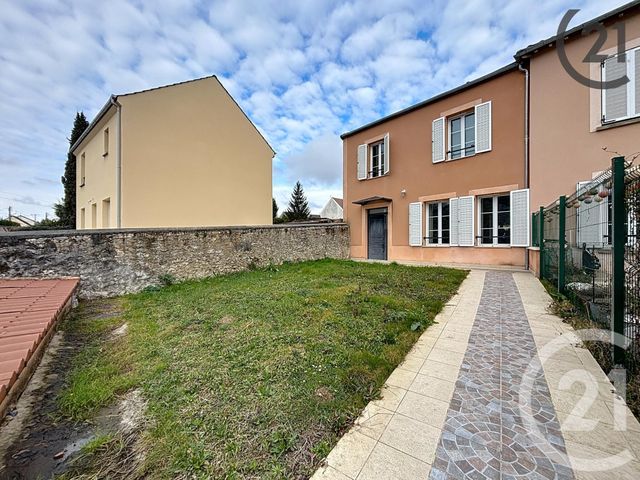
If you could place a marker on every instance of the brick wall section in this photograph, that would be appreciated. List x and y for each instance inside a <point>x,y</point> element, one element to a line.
<point>115,262</point>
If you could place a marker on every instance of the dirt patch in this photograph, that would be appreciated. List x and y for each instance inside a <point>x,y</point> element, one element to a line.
<point>324,393</point>
<point>35,441</point>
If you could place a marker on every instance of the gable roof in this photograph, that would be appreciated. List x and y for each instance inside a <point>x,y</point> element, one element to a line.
<point>337,200</point>
<point>113,101</point>
<point>551,41</point>
<point>441,96</point>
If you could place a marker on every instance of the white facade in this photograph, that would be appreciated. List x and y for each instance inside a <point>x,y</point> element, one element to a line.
<point>333,209</point>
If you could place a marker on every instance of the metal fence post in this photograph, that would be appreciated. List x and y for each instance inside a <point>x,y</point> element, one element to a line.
<point>619,240</point>
<point>561,243</point>
<point>541,242</point>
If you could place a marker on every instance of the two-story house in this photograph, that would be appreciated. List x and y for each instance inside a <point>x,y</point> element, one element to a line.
<point>182,155</point>
<point>443,181</point>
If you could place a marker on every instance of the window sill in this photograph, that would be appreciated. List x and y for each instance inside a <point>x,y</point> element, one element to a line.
<point>460,158</point>
<point>495,246</point>
<point>375,178</point>
<point>447,160</point>
<point>436,245</point>
<point>620,123</point>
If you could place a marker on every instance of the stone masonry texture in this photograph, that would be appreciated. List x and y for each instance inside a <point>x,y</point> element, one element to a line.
<point>116,262</point>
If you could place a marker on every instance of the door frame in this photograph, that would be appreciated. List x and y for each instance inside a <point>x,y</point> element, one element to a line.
<point>381,210</point>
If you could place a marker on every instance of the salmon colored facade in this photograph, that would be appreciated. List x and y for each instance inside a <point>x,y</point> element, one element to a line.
<point>396,206</point>
<point>184,155</point>
<point>567,130</point>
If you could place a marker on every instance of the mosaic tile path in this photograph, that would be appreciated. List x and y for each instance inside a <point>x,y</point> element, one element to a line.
<point>484,434</point>
<point>450,410</point>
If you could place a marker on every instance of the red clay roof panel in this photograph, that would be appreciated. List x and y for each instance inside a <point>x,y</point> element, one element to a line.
<point>29,308</point>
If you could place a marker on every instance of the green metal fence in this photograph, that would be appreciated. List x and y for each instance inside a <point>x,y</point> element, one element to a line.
<point>588,250</point>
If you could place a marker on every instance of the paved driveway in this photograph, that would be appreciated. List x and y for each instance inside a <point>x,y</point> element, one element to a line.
<point>497,389</point>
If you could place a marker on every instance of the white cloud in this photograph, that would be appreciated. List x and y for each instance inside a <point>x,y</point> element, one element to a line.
<point>303,71</point>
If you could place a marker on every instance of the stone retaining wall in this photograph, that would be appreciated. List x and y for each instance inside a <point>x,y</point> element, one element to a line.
<point>115,262</point>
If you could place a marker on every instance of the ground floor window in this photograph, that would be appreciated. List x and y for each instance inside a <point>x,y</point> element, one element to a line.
<point>438,223</point>
<point>495,220</point>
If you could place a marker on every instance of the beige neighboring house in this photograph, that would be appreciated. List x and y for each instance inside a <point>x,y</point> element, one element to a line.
<point>182,155</point>
<point>333,209</point>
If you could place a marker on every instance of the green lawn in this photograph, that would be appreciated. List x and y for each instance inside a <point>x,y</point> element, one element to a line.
<point>256,374</point>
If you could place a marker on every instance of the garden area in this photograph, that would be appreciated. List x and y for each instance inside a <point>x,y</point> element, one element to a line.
<point>250,375</point>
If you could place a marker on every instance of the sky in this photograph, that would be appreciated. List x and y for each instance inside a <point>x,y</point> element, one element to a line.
<point>304,71</point>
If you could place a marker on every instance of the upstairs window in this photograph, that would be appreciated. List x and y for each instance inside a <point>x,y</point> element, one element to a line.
<point>106,143</point>
<point>373,159</point>
<point>438,223</point>
<point>622,102</point>
<point>377,159</point>
<point>462,136</point>
<point>82,170</point>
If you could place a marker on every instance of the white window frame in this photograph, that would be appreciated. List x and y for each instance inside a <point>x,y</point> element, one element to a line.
<point>439,243</point>
<point>380,147</point>
<point>463,129</point>
<point>631,89</point>
<point>494,240</point>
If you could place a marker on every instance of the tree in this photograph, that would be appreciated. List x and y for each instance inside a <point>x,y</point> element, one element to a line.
<point>298,205</point>
<point>66,209</point>
<point>275,209</point>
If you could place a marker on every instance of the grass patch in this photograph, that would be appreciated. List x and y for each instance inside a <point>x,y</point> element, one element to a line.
<point>257,374</point>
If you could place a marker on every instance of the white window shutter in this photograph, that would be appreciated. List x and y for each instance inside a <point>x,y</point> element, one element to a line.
<point>387,158</point>
<point>589,220</point>
<point>520,218</point>
<point>453,222</point>
<point>465,221</point>
<point>362,162</point>
<point>615,100</point>
<point>415,224</point>
<point>483,127</point>
<point>437,140</point>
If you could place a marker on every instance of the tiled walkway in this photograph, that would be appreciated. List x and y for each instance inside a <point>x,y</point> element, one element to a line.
<point>471,400</point>
<point>28,312</point>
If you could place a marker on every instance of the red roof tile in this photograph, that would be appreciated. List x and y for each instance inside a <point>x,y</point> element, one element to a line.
<point>29,308</point>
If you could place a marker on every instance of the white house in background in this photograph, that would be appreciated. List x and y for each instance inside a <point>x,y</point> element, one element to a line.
<point>22,220</point>
<point>333,209</point>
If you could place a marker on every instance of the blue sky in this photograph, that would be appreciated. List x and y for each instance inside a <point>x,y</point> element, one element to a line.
<point>304,71</point>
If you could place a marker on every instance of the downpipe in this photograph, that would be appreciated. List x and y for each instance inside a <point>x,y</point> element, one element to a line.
<point>526,141</point>
<point>115,103</point>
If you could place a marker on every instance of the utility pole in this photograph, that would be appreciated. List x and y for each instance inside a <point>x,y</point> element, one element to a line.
<point>9,212</point>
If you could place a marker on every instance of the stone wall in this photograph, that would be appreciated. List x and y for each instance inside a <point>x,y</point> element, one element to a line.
<point>114,262</point>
